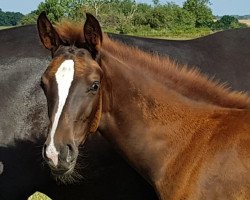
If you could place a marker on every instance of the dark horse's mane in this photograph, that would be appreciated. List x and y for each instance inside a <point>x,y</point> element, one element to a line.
<point>188,82</point>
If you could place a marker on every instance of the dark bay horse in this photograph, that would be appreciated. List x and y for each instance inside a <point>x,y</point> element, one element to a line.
<point>187,135</point>
<point>22,59</point>
<point>224,55</point>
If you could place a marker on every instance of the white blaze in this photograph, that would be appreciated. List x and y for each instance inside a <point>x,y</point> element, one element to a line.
<point>64,78</point>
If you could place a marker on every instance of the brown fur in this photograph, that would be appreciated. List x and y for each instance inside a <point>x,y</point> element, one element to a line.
<point>97,117</point>
<point>180,130</point>
<point>186,149</point>
<point>189,83</point>
<point>70,31</point>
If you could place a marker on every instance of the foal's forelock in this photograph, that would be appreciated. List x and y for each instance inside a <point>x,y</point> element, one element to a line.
<point>64,77</point>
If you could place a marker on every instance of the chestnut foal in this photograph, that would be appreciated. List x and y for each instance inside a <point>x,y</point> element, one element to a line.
<point>188,136</point>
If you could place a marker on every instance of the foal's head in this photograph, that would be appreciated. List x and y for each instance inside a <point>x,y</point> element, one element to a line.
<point>71,84</point>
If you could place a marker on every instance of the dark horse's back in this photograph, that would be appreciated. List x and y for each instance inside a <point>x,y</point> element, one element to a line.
<point>23,114</point>
<point>225,55</point>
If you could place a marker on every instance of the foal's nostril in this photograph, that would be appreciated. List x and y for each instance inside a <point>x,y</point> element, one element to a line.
<point>70,153</point>
<point>70,148</point>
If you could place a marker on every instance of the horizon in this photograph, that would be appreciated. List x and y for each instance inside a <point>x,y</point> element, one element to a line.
<point>219,8</point>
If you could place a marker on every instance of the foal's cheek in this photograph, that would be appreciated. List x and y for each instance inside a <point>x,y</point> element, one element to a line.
<point>82,129</point>
<point>88,109</point>
<point>81,134</point>
<point>85,109</point>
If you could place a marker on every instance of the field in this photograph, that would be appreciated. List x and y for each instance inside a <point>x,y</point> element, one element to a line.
<point>245,21</point>
<point>4,27</point>
<point>39,196</point>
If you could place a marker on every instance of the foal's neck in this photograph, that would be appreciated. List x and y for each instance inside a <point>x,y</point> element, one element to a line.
<point>189,83</point>
<point>145,119</point>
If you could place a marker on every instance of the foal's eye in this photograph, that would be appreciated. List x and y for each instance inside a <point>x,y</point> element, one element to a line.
<point>95,86</point>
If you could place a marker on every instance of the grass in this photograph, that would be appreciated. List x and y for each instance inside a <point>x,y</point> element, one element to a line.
<point>177,33</point>
<point>245,21</point>
<point>5,27</point>
<point>38,196</point>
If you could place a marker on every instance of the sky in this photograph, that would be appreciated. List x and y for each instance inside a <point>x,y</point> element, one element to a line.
<point>219,7</point>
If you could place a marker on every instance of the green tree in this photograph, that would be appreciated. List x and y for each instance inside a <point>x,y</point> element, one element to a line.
<point>169,16</point>
<point>95,5</point>
<point>228,22</point>
<point>140,16</point>
<point>130,17</point>
<point>10,18</point>
<point>30,18</point>
<point>115,15</point>
<point>182,19</point>
<point>156,2</point>
<point>58,9</point>
<point>201,11</point>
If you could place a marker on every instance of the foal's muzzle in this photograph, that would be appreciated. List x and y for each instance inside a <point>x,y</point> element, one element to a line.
<point>66,159</point>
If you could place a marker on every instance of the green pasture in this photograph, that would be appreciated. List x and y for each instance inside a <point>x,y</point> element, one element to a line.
<point>5,27</point>
<point>39,196</point>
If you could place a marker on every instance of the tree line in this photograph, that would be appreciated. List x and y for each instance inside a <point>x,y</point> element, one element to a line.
<point>194,18</point>
<point>10,18</point>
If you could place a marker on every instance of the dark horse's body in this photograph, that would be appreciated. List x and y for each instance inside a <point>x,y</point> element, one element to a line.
<point>23,113</point>
<point>224,54</point>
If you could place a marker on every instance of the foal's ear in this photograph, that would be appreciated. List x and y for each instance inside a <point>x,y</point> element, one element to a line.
<point>48,35</point>
<point>92,34</point>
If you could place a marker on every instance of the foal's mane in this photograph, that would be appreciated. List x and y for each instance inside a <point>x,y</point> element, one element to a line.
<point>188,82</point>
